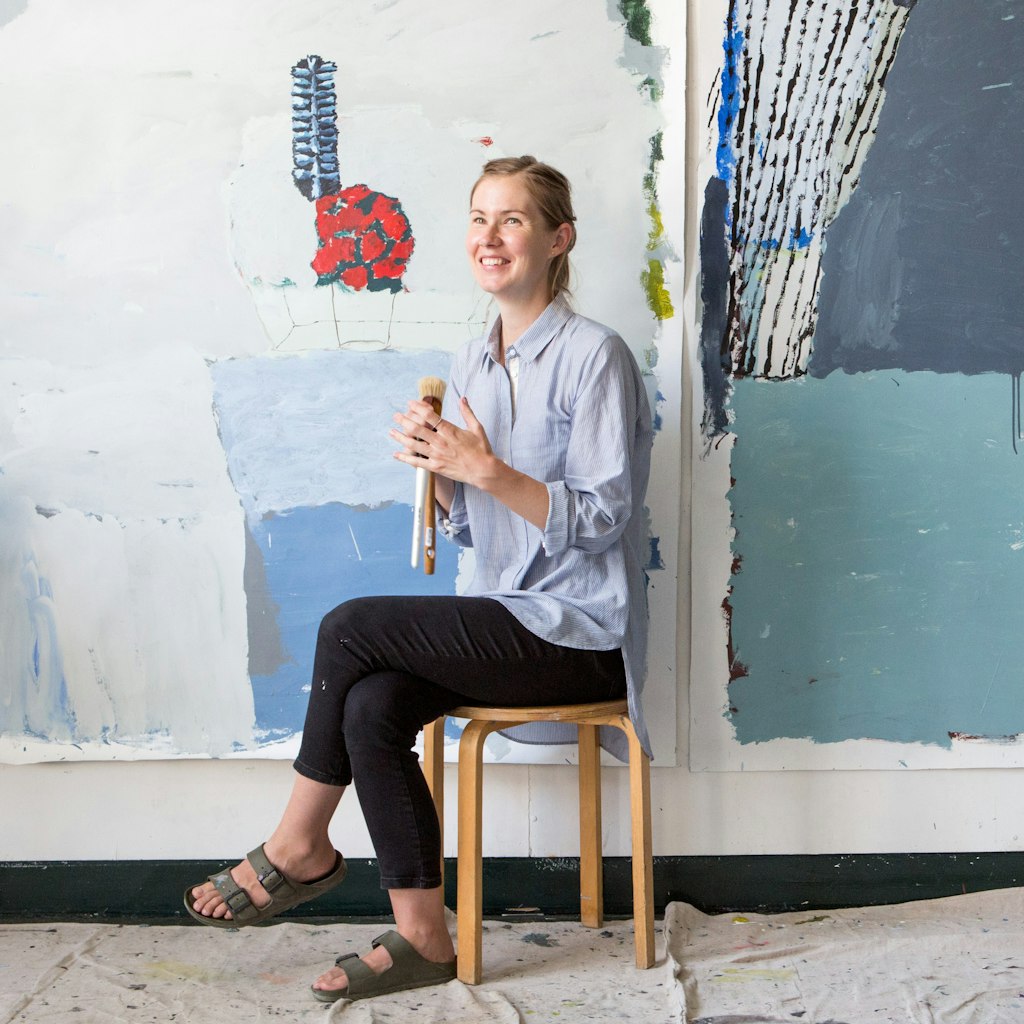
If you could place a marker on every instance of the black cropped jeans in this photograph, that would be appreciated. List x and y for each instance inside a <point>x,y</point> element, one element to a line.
<point>386,666</point>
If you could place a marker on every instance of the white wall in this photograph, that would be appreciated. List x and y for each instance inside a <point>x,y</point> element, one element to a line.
<point>213,809</point>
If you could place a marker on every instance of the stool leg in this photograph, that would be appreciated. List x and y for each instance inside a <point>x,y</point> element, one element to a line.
<point>591,873</point>
<point>470,908</point>
<point>433,771</point>
<point>643,872</point>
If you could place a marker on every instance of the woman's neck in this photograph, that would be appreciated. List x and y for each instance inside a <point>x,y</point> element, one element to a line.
<point>517,318</point>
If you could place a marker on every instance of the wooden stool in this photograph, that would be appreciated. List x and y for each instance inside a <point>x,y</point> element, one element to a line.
<point>587,717</point>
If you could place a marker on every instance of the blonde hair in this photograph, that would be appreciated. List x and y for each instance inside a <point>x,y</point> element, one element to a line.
<point>551,191</point>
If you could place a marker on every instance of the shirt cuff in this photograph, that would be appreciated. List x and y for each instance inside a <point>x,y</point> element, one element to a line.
<point>559,529</point>
<point>449,529</point>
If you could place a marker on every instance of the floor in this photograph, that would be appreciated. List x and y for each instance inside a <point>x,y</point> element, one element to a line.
<point>107,974</point>
<point>958,960</point>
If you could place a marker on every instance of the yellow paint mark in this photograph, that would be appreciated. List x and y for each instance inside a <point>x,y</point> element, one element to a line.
<point>657,232</point>
<point>762,974</point>
<point>741,920</point>
<point>175,970</point>
<point>658,301</point>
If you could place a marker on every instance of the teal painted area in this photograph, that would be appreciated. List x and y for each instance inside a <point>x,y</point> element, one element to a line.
<point>880,525</point>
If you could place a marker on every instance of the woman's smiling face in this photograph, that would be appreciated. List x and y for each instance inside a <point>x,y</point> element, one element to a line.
<point>510,246</point>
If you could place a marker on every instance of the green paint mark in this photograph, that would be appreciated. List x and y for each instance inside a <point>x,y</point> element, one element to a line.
<point>638,20</point>
<point>653,88</point>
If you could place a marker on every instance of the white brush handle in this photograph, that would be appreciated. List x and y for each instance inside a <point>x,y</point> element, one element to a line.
<point>417,515</point>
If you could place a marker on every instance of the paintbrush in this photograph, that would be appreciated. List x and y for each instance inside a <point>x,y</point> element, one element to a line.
<point>432,391</point>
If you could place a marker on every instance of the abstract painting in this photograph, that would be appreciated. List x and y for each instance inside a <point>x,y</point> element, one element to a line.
<point>223,278</point>
<point>861,343</point>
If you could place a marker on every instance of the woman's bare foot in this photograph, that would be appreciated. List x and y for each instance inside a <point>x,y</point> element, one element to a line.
<point>306,865</point>
<point>436,947</point>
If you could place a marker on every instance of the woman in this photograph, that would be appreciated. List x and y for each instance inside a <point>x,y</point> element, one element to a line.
<point>542,454</point>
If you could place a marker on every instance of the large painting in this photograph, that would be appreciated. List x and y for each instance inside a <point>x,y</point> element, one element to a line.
<point>860,539</point>
<point>233,245</point>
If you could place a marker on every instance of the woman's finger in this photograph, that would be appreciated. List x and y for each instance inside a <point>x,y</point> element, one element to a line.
<point>467,414</point>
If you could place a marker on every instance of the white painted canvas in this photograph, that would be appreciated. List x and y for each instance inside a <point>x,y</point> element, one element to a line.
<point>187,416</point>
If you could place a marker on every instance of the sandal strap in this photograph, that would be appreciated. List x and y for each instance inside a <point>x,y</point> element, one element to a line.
<point>398,947</point>
<point>237,899</point>
<point>269,877</point>
<point>360,977</point>
<point>233,895</point>
<point>409,970</point>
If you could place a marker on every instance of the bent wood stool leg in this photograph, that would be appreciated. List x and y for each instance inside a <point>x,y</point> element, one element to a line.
<point>470,892</point>
<point>591,864</point>
<point>433,771</point>
<point>643,871</point>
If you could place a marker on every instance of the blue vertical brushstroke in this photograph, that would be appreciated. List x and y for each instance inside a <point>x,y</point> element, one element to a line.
<point>729,104</point>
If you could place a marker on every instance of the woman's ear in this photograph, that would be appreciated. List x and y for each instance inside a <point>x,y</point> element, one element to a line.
<point>563,236</point>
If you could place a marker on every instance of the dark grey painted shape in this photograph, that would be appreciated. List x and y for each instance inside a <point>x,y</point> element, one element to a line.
<point>714,294</point>
<point>924,267</point>
<point>266,653</point>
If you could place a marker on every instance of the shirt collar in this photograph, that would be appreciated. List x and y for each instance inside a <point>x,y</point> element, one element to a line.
<point>535,338</point>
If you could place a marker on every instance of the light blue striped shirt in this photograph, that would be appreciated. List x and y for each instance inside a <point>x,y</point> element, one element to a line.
<point>582,426</point>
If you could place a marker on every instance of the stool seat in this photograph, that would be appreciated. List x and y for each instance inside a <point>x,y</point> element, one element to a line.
<point>542,713</point>
<point>483,720</point>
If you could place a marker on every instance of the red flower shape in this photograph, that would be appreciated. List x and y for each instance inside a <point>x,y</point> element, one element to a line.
<point>365,240</point>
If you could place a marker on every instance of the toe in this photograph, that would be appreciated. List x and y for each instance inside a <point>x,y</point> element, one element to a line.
<point>208,902</point>
<point>332,980</point>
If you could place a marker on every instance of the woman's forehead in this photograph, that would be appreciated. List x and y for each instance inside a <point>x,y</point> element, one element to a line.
<point>503,192</point>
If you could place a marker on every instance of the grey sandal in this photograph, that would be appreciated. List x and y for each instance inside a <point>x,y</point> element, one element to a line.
<point>408,970</point>
<point>284,892</point>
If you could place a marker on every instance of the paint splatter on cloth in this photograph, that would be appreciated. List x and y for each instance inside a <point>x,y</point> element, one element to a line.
<point>959,959</point>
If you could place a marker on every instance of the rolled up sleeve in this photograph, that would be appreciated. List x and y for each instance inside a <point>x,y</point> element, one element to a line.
<point>454,524</point>
<point>591,506</point>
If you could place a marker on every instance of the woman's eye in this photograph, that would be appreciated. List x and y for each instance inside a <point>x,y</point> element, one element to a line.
<point>512,220</point>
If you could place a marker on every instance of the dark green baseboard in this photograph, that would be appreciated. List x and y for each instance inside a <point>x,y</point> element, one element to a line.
<point>520,886</point>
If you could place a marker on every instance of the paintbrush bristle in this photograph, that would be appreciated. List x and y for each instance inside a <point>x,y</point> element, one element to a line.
<point>431,387</point>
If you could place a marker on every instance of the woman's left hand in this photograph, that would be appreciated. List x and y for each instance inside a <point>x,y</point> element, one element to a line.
<point>432,443</point>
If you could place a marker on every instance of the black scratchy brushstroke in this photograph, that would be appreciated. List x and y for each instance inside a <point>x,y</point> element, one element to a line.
<point>766,207</point>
